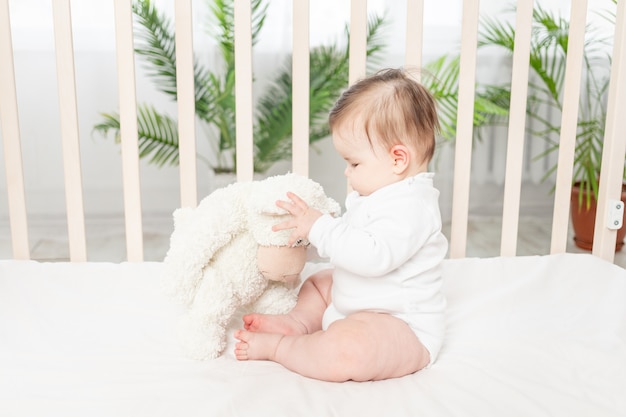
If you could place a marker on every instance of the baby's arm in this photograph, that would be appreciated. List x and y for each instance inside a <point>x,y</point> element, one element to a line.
<point>302,219</point>
<point>388,234</point>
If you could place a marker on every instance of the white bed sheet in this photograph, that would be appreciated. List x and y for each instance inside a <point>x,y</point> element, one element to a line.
<point>527,336</point>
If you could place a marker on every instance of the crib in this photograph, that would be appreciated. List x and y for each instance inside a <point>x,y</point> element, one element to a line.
<point>526,335</point>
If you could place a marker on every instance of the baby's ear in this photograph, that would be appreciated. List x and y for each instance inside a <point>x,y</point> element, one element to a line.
<point>401,158</point>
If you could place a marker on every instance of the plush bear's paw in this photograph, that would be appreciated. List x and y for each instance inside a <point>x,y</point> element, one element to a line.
<point>202,342</point>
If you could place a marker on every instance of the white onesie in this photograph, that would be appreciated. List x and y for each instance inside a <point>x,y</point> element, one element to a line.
<point>386,251</point>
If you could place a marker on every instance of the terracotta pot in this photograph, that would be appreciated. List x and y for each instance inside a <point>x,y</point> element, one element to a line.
<point>583,220</point>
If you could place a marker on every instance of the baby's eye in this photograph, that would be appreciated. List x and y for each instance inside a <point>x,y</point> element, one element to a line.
<point>354,165</point>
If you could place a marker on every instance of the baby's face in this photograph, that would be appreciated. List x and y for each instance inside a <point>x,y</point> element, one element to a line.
<point>367,169</point>
<point>281,263</point>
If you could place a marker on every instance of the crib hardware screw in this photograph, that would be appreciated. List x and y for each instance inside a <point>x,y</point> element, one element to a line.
<point>615,214</point>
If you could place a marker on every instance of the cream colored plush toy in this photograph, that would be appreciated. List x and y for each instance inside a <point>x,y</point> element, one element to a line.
<point>224,256</point>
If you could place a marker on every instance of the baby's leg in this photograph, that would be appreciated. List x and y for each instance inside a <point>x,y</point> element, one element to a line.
<point>306,316</point>
<point>362,347</point>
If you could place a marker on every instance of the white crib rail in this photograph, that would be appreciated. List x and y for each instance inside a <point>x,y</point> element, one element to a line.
<point>517,123</point>
<point>243,90</point>
<point>465,120</point>
<point>186,104</point>
<point>128,129</point>
<point>301,75</point>
<point>614,149</point>
<point>569,124</point>
<point>414,34</point>
<point>69,129</point>
<point>10,125</point>
<point>614,142</point>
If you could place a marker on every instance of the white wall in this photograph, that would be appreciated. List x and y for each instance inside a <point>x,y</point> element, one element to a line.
<point>94,40</point>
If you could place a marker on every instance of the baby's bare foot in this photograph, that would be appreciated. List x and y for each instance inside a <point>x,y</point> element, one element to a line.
<point>284,324</point>
<point>256,346</point>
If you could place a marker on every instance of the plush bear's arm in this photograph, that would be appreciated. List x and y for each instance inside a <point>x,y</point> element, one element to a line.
<point>277,298</point>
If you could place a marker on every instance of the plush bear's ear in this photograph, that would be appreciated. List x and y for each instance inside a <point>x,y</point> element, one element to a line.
<point>183,217</point>
<point>198,235</point>
<point>260,225</point>
<point>265,193</point>
<point>264,213</point>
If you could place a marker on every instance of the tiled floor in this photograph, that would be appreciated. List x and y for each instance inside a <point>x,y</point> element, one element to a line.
<point>484,238</point>
<point>106,241</point>
<point>105,238</point>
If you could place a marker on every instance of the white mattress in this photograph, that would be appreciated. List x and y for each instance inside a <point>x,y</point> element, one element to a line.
<point>527,336</point>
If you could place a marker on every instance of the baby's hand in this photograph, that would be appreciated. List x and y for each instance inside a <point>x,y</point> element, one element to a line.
<point>302,220</point>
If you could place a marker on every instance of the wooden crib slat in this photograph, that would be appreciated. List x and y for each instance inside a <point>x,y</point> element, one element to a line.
<point>243,90</point>
<point>465,124</point>
<point>66,82</point>
<point>517,123</point>
<point>186,104</point>
<point>569,125</point>
<point>358,41</point>
<point>357,49</point>
<point>301,87</point>
<point>414,35</point>
<point>128,129</point>
<point>611,177</point>
<point>9,125</point>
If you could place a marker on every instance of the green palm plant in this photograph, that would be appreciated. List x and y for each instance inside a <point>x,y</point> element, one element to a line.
<point>214,89</point>
<point>442,80</point>
<point>549,42</point>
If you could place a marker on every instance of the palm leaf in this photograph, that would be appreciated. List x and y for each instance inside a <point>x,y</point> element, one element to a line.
<point>157,134</point>
<point>442,81</point>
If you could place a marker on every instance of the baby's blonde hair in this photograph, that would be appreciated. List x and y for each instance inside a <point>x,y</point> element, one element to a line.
<point>394,107</point>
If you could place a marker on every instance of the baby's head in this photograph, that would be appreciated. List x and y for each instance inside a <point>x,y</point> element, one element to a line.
<point>384,124</point>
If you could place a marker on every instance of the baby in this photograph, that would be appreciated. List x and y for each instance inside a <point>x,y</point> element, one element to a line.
<point>379,313</point>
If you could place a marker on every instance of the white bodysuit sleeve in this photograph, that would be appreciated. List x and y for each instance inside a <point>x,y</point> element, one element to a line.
<point>377,249</point>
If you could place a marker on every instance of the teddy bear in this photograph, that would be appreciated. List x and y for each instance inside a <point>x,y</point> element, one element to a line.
<point>224,258</point>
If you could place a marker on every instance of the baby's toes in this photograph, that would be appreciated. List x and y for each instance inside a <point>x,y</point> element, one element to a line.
<point>241,351</point>
<point>250,322</point>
